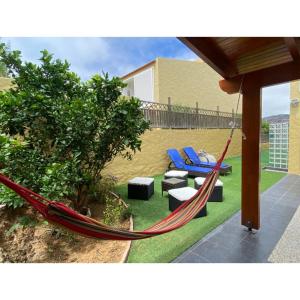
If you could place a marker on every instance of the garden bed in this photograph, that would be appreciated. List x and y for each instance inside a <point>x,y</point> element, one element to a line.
<point>38,241</point>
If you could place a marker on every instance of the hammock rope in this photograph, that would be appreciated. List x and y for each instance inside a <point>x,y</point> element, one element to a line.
<point>60,214</point>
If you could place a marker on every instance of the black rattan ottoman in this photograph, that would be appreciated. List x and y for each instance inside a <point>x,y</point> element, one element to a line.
<point>140,188</point>
<point>183,175</point>
<point>217,194</point>
<point>172,183</point>
<point>178,196</point>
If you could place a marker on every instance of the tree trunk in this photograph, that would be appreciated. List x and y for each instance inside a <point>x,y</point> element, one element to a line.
<point>81,201</point>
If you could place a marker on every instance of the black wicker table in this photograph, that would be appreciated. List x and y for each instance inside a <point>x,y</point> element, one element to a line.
<point>217,194</point>
<point>141,188</point>
<point>172,183</point>
<point>178,196</point>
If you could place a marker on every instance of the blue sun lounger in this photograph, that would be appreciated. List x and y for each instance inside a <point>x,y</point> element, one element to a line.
<point>195,160</point>
<point>178,163</point>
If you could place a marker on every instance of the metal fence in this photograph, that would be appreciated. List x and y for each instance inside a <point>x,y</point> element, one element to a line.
<point>264,137</point>
<point>163,115</point>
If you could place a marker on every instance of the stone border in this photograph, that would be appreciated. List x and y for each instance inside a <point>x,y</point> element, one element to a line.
<point>126,252</point>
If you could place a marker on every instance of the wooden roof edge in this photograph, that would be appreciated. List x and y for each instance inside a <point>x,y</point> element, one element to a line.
<point>293,45</point>
<point>211,54</point>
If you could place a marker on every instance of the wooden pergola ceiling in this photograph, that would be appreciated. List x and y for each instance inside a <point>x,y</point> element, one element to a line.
<point>232,56</point>
<point>260,58</point>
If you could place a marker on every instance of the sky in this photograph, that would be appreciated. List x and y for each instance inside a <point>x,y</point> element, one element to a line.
<point>118,56</point>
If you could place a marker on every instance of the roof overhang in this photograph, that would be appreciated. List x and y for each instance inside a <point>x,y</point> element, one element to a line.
<point>260,60</point>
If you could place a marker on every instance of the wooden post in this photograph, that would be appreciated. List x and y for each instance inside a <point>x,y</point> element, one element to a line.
<point>251,157</point>
<point>169,112</point>
<point>197,125</point>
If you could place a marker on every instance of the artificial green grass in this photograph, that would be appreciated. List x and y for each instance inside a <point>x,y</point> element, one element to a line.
<point>168,246</point>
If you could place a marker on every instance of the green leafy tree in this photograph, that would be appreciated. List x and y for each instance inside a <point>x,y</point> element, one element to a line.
<point>59,133</point>
<point>265,127</point>
<point>3,69</point>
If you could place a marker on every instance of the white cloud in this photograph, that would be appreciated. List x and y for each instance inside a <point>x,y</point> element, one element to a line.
<point>276,100</point>
<point>186,55</point>
<point>88,56</point>
<point>84,54</point>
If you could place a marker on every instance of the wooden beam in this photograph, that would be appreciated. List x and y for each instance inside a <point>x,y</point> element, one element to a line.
<point>251,123</point>
<point>266,77</point>
<point>207,50</point>
<point>293,47</point>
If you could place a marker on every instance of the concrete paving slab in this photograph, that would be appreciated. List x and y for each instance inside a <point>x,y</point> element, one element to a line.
<point>232,243</point>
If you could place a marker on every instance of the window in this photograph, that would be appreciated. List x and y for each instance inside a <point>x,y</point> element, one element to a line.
<point>278,145</point>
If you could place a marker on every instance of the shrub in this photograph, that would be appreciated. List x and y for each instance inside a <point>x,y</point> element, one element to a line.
<point>126,213</point>
<point>16,159</point>
<point>67,130</point>
<point>265,126</point>
<point>102,189</point>
<point>113,211</point>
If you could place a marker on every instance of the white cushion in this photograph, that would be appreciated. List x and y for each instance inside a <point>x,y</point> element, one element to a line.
<point>200,181</point>
<point>183,194</point>
<point>175,173</point>
<point>141,180</point>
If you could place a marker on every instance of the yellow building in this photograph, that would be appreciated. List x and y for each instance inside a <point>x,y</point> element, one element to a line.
<point>185,82</point>
<point>5,83</point>
<point>294,128</point>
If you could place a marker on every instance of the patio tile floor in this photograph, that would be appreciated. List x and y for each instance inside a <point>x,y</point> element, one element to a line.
<point>232,243</point>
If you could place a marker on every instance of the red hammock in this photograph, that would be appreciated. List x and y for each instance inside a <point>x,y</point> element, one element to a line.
<point>58,213</point>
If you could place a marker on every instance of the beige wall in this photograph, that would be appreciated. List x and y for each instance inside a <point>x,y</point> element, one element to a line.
<point>153,159</point>
<point>4,83</point>
<point>188,82</point>
<point>156,82</point>
<point>294,130</point>
<point>264,146</point>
